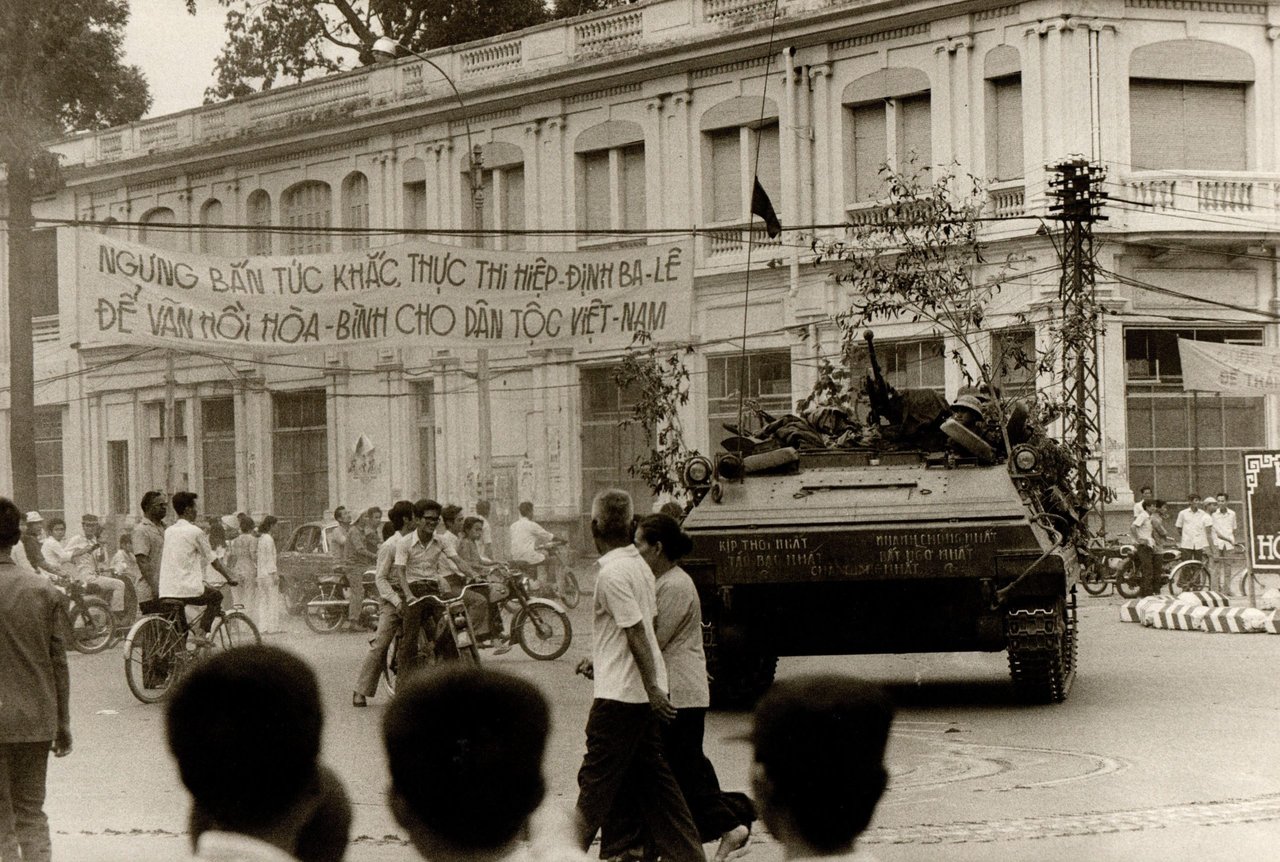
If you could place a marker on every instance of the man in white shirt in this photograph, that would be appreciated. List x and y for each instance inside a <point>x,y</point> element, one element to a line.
<point>1144,548</point>
<point>527,538</point>
<point>390,603</point>
<point>1144,494</point>
<point>624,745</point>
<point>818,770</point>
<point>91,558</point>
<point>1197,530</point>
<point>1224,534</point>
<point>184,559</point>
<point>486,535</point>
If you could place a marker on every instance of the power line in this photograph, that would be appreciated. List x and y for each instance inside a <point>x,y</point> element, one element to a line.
<point>1165,291</point>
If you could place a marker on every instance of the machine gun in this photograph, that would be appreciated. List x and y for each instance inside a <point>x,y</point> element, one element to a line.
<point>885,401</point>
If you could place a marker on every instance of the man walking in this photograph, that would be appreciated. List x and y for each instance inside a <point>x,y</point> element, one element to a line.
<point>182,566</point>
<point>624,745</point>
<point>1197,530</point>
<point>390,604</point>
<point>35,692</point>
<point>148,544</point>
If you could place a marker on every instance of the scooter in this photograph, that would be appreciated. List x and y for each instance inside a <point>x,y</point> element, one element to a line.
<point>325,611</point>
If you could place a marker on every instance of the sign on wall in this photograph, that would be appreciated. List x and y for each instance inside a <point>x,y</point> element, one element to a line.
<point>1229,369</point>
<point>1262,509</point>
<point>412,293</point>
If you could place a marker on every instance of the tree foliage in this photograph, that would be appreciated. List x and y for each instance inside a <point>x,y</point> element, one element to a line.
<point>273,41</point>
<point>659,382</point>
<point>61,70</point>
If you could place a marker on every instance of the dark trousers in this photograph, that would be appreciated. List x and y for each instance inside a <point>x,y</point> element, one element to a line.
<point>211,600</point>
<point>625,759</point>
<point>23,825</point>
<point>714,811</point>
<point>1145,559</point>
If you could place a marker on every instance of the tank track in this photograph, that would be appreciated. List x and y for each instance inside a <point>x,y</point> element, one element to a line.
<point>1042,646</point>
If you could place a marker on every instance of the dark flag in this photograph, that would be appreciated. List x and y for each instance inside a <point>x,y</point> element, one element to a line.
<point>763,207</point>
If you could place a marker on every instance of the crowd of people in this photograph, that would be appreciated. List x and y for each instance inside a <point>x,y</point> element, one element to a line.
<point>1204,530</point>
<point>464,745</point>
<point>129,579</point>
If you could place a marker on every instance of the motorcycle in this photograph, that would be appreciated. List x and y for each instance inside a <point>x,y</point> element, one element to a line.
<point>327,607</point>
<point>90,623</point>
<point>1118,564</point>
<point>568,594</point>
<point>541,626</point>
<point>446,634</point>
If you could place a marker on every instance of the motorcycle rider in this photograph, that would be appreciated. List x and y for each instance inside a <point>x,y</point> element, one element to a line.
<point>390,604</point>
<point>528,540</point>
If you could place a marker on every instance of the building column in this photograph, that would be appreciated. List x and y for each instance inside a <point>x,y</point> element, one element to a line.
<point>962,104</point>
<point>655,161</point>
<point>534,179</point>
<point>680,176</point>
<point>559,176</point>
<point>1033,117</point>
<point>826,171</point>
<point>1270,139</point>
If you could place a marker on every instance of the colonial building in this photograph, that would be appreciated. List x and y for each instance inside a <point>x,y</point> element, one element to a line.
<point>648,116</point>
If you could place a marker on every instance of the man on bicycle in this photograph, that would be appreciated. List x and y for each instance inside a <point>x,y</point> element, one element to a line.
<point>183,563</point>
<point>528,541</point>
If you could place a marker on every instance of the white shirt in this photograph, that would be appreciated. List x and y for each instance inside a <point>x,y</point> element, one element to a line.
<point>55,555</point>
<point>215,846</point>
<point>1142,528</point>
<point>525,536</point>
<point>182,564</point>
<point>1192,525</point>
<point>19,556</point>
<point>1137,507</point>
<point>625,595</point>
<point>266,555</point>
<point>486,532</point>
<point>679,632</point>
<point>1224,526</point>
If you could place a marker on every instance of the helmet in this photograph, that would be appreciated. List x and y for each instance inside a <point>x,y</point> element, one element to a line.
<point>969,402</point>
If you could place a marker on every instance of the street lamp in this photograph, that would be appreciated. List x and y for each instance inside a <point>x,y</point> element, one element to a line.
<point>384,49</point>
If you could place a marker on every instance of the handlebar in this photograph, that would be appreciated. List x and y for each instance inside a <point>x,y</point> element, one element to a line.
<point>440,600</point>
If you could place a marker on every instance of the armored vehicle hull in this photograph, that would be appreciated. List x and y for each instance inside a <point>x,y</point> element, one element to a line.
<point>848,553</point>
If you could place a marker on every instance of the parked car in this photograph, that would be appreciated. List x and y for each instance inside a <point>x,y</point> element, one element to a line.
<point>306,557</point>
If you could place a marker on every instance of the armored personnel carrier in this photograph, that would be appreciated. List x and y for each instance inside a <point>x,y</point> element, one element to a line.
<point>830,552</point>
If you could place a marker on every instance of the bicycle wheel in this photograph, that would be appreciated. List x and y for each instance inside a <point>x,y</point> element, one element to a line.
<point>91,625</point>
<point>1094,580</point>
<point>572,593</point>
<point>233,629</point>
<point>153,656</point>
<point>1128,579</point>
<point>1188,575</point>
<point>389,666</point>
<point>328,618</point>
<point>543,632</point>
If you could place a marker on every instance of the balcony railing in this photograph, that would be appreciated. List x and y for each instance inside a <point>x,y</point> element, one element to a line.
<point>734,240</point>
<point>1008,199</point>
<point>1229,198</point>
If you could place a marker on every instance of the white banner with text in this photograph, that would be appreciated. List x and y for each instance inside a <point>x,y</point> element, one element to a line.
<point>1229,369</point>
<point>413,292</point>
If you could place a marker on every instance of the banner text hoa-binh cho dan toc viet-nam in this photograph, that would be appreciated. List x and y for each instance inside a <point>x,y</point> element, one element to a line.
<point>412,292</point>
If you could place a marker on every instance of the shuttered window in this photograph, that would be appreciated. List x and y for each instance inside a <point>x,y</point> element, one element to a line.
<point>1185,125</point>
<point>355,210</point>
<point>513,206</point>
<point>631,184</point>
<point>594,214</point>
<point>260,218</point>
<point>870,149</point>
<point>1005,134</point>
<point>43,274</point>
<point>726,174</point>
<point>211,241</point>
<point>218,450</point>
<point>305,206</point>
<point>915,135</point>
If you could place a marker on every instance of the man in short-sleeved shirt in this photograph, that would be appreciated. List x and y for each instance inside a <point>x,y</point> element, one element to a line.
<point>183,563</point>
<point>624,745</point>
<point>1197,527</point>
<point>148,544</point>
<point>1224,524</point>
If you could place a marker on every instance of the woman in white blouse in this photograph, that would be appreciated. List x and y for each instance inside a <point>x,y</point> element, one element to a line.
<point>268,618</point>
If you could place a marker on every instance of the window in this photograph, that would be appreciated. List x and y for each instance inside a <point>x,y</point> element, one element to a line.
<point>44,273</point>
<point>426,420</point>
<point>886,121</point>
<point>48,440</point>
<point>355,210</point>
<point>118,476</point>
<point>768,381</point>
<point>1013,362</point>
<point>1183,125</point>
<point>611,189</point>
<point>211,241</point>
<point>1183,442</point>
<point>735,163</point>
<point>503,206</point>
<point>1004,128</point>
<point>303,207</point>
<point>870,149</point>
<point>218,447</point>
<point>260,218</point>
<point>414,186</point>
<point>156,425</point>
<point>300,456</point>
<point>608,447</point>
<point>915,364</point>
<point>150,233</point>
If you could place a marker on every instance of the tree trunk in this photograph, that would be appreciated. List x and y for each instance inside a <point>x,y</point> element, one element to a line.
<point>22,443</point>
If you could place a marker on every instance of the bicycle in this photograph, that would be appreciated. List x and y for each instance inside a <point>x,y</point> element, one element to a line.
<point>90,624</point>
<point>1240,579</point>
<point>568,591</point>
<point>156,653</point>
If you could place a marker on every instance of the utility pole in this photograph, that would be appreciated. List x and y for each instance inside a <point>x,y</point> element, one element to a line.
<point>483,417</point>
<point>170,416</point>
<point>22,395</point>
<point>1077,194</point>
